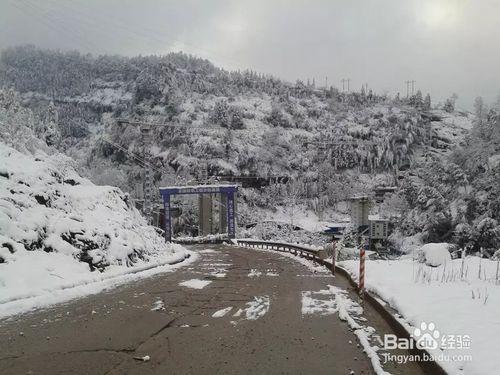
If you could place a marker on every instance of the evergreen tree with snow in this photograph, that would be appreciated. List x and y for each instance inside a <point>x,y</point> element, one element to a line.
<point>220,114</point>
<point>427,102</point>
<point>236,118</point>
<point>418,99</point>
<point>480,111</point>
<point>449,104</point>
<point>51,132</point>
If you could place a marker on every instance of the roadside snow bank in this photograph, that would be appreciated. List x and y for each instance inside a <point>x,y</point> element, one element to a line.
<point>460,301</point>
<point>93,283</point>
<point>57,227</point>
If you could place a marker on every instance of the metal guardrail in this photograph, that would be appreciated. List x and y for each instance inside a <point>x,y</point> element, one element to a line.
<point>317,255</point>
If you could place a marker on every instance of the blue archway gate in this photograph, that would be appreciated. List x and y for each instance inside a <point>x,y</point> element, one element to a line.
<point>228,191</point>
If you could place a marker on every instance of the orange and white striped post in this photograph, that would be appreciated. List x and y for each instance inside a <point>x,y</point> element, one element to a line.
<point>362,255</point>
<point>334,255</point>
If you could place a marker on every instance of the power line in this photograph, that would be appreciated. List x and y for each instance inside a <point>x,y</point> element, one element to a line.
<point>92,23</point>
<point>121,121</point>
<point>146,137</point>
<point>33,11</point>
<point>147,34</point>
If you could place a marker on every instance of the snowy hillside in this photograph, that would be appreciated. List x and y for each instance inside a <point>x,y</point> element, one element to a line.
<point>240,124</point>
<point>295,147</point>
<point>57,227</point>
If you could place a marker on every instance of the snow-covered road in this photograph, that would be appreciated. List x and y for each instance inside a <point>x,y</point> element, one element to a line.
<point>232,311</point>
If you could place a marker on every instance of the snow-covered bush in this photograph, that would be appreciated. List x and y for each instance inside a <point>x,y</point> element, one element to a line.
<point>273,231</point>
<point>46,206</point>
<point>488,235</point>
<point>434,254</point>
<point>405,244</point>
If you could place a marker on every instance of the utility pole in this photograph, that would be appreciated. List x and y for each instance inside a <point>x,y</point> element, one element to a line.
<point>147,182</point>
<point>147,207</point>
<point>344,81</point>
<point>146,137</point>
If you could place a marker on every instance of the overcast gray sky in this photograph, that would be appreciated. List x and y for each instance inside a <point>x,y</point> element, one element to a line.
<point>446,46</point>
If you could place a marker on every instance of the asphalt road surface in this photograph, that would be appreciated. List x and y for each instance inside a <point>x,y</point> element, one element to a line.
<point>249,319</point>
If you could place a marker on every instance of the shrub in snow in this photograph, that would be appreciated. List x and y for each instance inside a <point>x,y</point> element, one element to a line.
<point>434,254</point>
<point>488,234</point>
<point>273,231</point>
<point>46,206</point>
<point>278,118</point>
<point>405,244</point>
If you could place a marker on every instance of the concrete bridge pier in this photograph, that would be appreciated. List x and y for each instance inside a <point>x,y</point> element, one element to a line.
<point>205,209</point>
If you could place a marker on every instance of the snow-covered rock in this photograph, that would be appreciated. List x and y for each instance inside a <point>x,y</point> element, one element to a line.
<point>435,254</point>
<point>57,227</point>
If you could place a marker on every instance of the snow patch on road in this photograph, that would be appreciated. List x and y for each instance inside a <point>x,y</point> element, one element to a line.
<point>257,273</point>
<point>335,300</point>
<point>195,283</point>
<point>158,305</point>
<point>257,308</point>
<point>207,251</point>
<point>222,312</point>
<point>219,275</point>
<point>238,313</point>
<point>312,305</point>
<point>254,273</point>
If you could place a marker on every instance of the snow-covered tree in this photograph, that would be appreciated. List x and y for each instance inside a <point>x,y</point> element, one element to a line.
<point>418,100</point>
<point>480,111</point>
<point>220,114</point>
<point>51,131</point>
<point>488,234</point>
<point>278,118</point>
<point>427,102</point>
<point>291,194</point>
<point>449,104</point>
